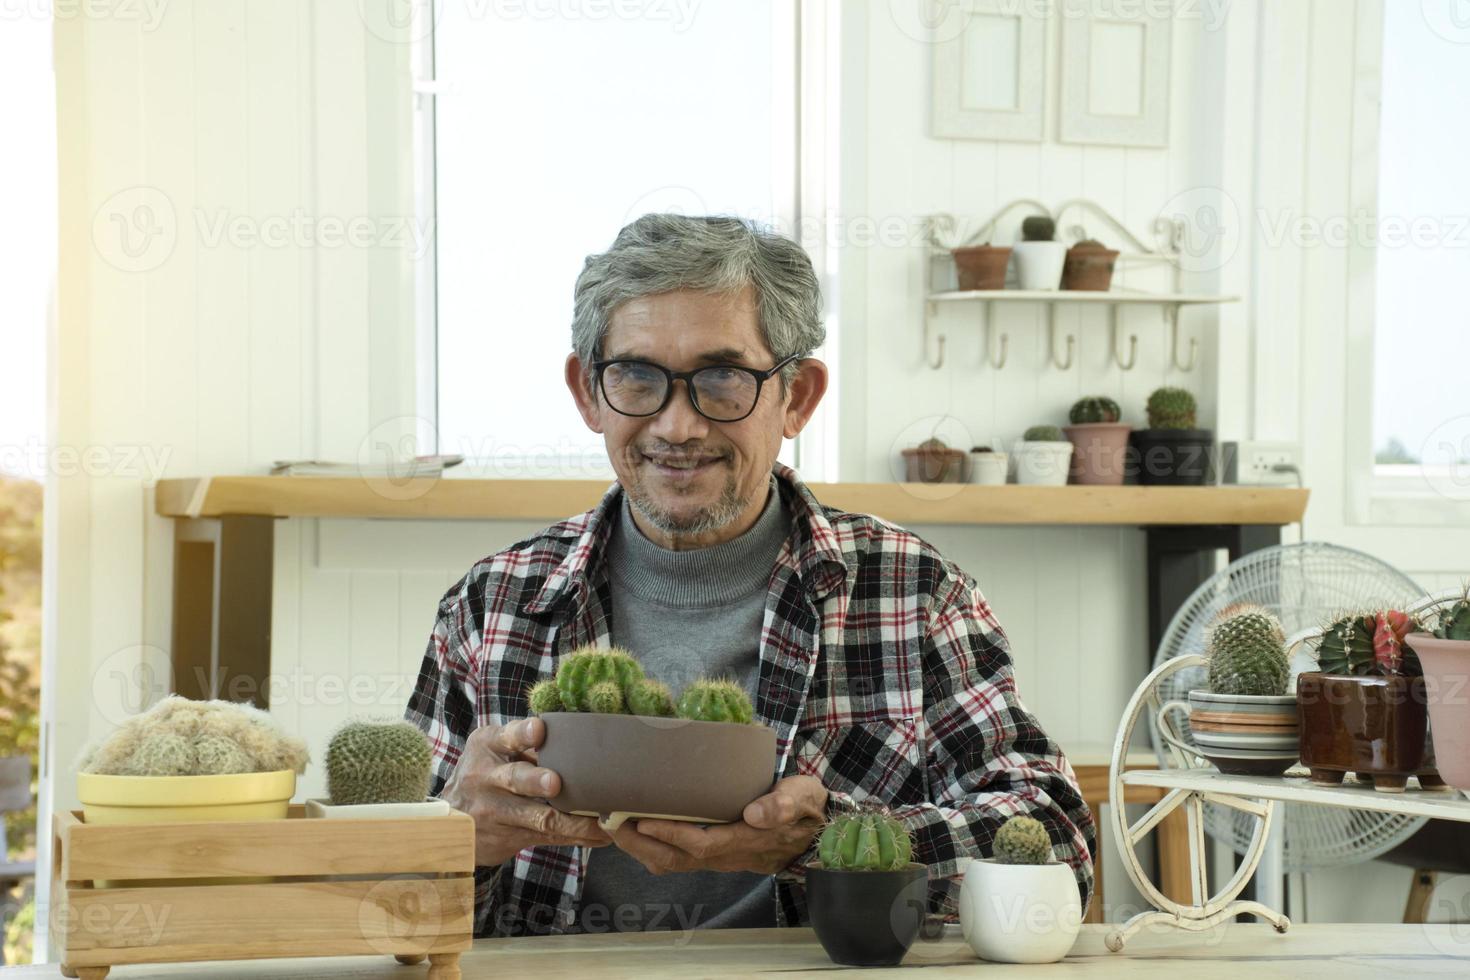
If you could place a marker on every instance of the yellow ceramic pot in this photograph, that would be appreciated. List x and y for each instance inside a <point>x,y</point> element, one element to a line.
<point>185,799</point>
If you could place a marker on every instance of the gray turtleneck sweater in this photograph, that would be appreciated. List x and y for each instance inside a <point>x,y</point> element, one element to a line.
<point>684,615</point>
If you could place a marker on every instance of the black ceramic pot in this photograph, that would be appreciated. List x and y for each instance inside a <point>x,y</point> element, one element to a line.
<point>1171,457</point>
<point>867,918</point>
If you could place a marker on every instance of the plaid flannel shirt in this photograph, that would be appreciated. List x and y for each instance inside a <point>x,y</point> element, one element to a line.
<point>882,672</point>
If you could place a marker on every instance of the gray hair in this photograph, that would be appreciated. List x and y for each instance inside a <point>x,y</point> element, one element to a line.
<point>659,253</point>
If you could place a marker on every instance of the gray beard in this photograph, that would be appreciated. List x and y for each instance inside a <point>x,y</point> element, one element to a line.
<point>721,514</point>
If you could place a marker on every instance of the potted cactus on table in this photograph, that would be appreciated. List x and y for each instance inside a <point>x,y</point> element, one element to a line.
<point>866,896</point>
<point>1444,656</point>
<point>605,720</point>
<point>1099,441</point>
<point>1246,722</point>
<point>378,770</point>
<point>1172,451</point>
<point>1021,905</point>
<point>1043,457</point>
<point>185,760</point>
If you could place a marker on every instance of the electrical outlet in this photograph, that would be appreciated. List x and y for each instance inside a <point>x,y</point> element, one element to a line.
<point>1262,463</point>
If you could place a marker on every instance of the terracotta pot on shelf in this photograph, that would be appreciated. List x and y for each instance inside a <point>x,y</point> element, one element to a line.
<point>1446,666</point>
<point>1089,266</point>
<point>1373,726</point>
<point>924,464</point>
<point>981,266</point>
<point>1099,451</point>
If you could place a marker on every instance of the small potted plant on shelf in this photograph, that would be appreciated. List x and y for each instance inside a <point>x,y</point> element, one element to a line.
<point>1364,711</point>
<point>184,760</point>
<point>1038,257</point>
<point>1444,656</point>
<point>377,771</point>
<point>1043,457</point>
<point>933,461</point>
<point>1246,723</point>
<point>1172,451</point>
<point>1021,905</point>
<point>1099,441</point>
<point>981,266</point>
<point>605,720</point>
<point>865,895</point>
<point>1089,266</point>
<point>987,466</point>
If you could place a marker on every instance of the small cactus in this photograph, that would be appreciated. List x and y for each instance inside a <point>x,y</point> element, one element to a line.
<point>1171,408</point>
<point>1044,433</point>
<point>1038,228</point>
<point>545,696</point>
<point>1454,622</point>
<point>1095,409</point>
<point>650,699</point>
<point>181,737</point>
<point>1247,652</point>
<point>587,667</point>
<point>1022,840</point>
<point>865,841</point>
<point>378,762</point>
<point>1368,643</point>
<point>715,701</point>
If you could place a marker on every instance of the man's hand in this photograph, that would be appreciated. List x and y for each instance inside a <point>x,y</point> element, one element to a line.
<point>775,829</point>
<point>498,783</point>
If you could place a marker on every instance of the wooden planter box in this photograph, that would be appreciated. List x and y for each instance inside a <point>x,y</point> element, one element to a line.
<point>167,893</point>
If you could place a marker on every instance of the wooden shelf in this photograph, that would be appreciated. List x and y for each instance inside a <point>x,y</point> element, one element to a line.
<point>902,503</point>
<point>1296,788</point>
<point>1079,296</point>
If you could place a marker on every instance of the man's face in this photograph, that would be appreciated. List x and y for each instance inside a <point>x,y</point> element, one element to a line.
<point>692,481</point>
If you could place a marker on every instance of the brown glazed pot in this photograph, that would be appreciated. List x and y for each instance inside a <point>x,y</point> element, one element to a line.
<point>621,766</point>
<point>981,266</point>
<point>922,465</point>
<point>1089,267</point>
<point>1372,725</point>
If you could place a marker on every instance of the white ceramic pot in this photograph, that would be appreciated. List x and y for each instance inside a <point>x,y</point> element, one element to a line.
<point>1039,264</point>
<point>988,468</point>
<point>1020,913</point>
<point>1043,464</point>
<point>324,810</point>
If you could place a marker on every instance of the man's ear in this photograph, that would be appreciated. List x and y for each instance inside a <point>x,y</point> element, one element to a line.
<point>803,395</point>
<point>579,383</point>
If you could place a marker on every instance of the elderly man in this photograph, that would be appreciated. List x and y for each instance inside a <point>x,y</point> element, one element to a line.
<point>876,661</point>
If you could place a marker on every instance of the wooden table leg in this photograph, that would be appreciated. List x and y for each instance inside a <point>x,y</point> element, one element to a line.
<point>1173,845</point>
<point>410,959</point>
<point>443,966</point>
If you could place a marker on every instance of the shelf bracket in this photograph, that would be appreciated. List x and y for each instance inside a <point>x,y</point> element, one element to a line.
<point>1051,332</point>
<point>1171,314</point>
<point>930,310</point>
<point>1132,359</point>
<point>987,331</point>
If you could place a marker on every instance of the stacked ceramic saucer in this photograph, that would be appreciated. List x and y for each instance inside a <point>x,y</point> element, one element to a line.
<point>1245,734</point>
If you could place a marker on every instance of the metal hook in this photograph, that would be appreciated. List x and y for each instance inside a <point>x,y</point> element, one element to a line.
<point>1171,313</point>
<point>1126,365</point>
<point>930,309</point>
<point>1051,331</point>
<point>938,362</point>
<point>988,331</point>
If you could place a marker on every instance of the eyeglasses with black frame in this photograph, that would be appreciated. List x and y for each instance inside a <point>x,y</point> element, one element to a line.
<point>719,392</point>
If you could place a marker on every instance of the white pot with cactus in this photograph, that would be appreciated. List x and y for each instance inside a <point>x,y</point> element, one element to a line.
<point>1043,457</point>
<point>183,761</point>
<point>377,770</point>
<point>1039,258</point>
<point>1021,905</point>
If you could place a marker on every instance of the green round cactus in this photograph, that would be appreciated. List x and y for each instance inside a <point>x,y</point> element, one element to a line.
<point>1022,840</point>
<point>1171,408</point>
<point>1098,408</point>
<point>1247,653</point>
<point>865,841</point>
<point>605,698</point>
<point>378,762</point>
<point>1038,228</point>
<point>588,666</point>
<point>650,699</point>
<point>1454,622</point>
<point>715,701</point>
<point>1044,433</point>
<point>545,697</point>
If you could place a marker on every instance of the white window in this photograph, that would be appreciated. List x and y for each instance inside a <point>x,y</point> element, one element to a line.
<point>550,131</point>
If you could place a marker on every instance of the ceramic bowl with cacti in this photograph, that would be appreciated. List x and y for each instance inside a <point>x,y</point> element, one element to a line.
<point>625,746</point>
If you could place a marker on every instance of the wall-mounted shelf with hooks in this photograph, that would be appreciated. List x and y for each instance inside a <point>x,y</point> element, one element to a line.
<point>940,230</point>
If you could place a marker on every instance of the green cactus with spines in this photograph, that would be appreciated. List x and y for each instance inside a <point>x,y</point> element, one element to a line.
<point>870,840</point>
<point>165,754</point>
<point>1022,840</point>
<point>605,698</point>
<point>1038,228</point>
<point>1454,622</point>
<point>650,699</point>
<point>378,762</point>
<point>182,737</point>
<point>718,700</point>
<point>217,755</point>
<point>588,666</point>
<point>544,697</point>
<point>1247,652</point>
<point>1097,408</point>
<point>1171,408</point>
<point>1044,433</point>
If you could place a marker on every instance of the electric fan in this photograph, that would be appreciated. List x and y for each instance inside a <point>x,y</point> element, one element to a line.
<point>1306,586</point>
